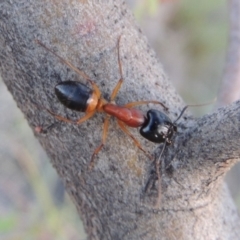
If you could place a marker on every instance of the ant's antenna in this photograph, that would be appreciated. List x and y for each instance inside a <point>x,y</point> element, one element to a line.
<point>180,115</point>
<point>193,105</point>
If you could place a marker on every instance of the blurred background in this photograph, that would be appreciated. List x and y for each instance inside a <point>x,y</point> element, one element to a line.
<point>190,38</point>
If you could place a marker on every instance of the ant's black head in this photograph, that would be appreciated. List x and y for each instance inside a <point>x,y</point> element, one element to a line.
<point>158,127</point>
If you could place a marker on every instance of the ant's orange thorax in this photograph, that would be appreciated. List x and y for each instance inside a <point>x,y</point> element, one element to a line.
<point>130,116</point>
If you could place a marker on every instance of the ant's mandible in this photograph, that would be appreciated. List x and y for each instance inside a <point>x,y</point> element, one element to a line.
<point>155,126</point>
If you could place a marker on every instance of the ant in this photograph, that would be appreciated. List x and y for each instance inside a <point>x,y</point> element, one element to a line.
<point>155,126</point>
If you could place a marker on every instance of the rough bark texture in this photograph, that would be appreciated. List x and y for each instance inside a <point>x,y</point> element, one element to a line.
<point>113,199</point>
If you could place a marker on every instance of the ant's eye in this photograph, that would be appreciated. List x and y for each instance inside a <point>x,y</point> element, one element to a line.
<point>156,128</point>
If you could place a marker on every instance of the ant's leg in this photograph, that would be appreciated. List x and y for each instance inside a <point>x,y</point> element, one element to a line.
<point>134,104</point>
<point>119,60</point>
<point>79,121</point>
<point>86,117</point>
<point>125,130</point>
<point>70,65</point>
<point>120,81</point>
<point>116,89</point>
<point>118,86</point>
<point>104,137</point>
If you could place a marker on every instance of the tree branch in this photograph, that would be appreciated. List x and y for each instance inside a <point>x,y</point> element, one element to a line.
<point>113,199</point>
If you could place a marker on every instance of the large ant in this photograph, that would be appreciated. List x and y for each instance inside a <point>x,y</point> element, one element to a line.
<point>155,126</point>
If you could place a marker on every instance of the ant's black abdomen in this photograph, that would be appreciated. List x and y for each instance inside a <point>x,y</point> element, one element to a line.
<point>73,95</point>
<point>158,127</point>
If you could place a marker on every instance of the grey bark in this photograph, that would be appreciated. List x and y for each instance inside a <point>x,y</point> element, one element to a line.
<point>116,200</point>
